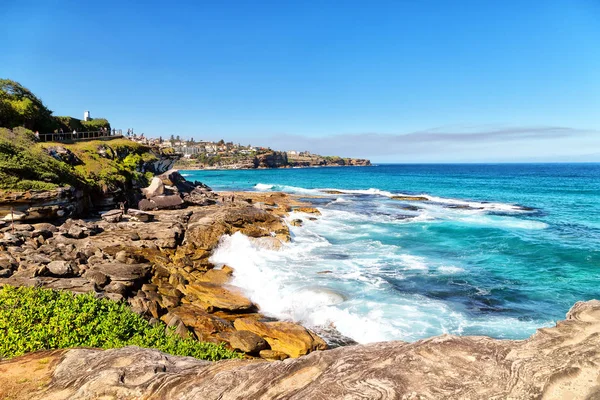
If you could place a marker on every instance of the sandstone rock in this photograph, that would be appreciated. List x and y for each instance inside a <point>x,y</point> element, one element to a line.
<point>308,210</point>
<point>287,337</point>
<point>76,285</point>
<point>122,256</point>
<point>38,205</point>
<point>161,203</point>
<point>296,222</point>
<point>216,276</point>
<point>117,287</point>
<point>156,188</point>
<point>60,268</point>
<point>5,273</point>
<point>204,325</point>
<point>554,364</point>
<point>220,297</point>
<point>140,216</point>
<point>409,198</point>
<point>123,272</point>
<point>273,355</point>
<point>112,216</point>
<point>247,341</point>
<point>96,277</point>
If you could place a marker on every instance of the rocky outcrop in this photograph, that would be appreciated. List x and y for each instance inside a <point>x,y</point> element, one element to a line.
<point>275,159</point>
<point>562,362</point>
<point>158,262</point>
<point>170,190</point>
<point>34,205</point>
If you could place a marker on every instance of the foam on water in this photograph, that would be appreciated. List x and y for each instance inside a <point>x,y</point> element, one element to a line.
<point>348,285</point>
<point>467,260</point>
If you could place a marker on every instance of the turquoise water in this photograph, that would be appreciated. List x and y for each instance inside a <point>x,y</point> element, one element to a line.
<point>496,250</point>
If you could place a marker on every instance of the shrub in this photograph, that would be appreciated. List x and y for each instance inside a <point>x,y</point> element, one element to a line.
<point>34,319</point>
<point>24,165</point>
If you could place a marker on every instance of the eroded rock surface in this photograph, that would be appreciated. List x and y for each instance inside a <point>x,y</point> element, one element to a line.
<point>158,262</point>
<point>562,362</point>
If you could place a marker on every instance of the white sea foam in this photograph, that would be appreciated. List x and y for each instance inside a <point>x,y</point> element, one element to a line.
<point>450,270</point>
<point>263,187</point>
<point>354,296</point>
<point>358,295</point>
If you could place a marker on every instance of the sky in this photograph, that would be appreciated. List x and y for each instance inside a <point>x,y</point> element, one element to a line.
<point>393,81</point>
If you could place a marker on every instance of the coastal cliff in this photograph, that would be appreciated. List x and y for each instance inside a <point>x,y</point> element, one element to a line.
<point>562,362</point>
<point>51,180</point>
<point>269,159</point>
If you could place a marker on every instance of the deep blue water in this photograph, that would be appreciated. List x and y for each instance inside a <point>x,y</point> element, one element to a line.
<point>498,249</point>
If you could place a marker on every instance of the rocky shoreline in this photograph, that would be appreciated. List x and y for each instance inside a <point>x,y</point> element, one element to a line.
<point>156,259</point>
<point>556,363</point>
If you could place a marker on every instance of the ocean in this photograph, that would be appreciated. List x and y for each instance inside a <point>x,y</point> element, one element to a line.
<point>495,249</point>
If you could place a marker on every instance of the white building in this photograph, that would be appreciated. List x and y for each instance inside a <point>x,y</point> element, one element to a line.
<point>86,116</point>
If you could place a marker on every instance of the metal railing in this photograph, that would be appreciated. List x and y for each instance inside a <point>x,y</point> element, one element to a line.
<point>75,136</point>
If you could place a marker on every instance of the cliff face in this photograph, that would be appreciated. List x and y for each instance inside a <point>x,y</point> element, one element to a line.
<point>272,159</point>
<point>555,363</point>
<point>51,180</point>
<point>276,159</point>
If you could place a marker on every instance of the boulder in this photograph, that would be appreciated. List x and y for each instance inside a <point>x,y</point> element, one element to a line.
<point>5,273</point>
<point>139,216</point>
<point>247,341</point>
<point>308,210</point>
<point>60,268</point>
<point>273,355</point>
<point>123,272</point>
<point>296,222</point>
<point>204,324</point>
<point>220,297</point>
<point>75,285</point>
<point>112,216</point>
<point>96,277</point>
<point>156,188</point>
<point>217,276</point>
<point>286,337</point>
<point>161,203</point>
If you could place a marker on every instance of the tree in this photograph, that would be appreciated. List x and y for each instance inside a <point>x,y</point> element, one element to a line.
<point>221,142</point>
<point>172,140</point>
<point>178,138</point>
<point>20,107</point>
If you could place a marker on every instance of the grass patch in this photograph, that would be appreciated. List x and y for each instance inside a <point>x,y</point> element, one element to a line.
<point>34,319</point>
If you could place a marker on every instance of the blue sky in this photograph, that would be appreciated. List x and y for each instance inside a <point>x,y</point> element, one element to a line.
<point>406,81</point>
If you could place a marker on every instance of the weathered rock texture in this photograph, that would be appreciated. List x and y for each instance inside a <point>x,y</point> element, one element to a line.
<point>158,262</point>
<point>555,363</point>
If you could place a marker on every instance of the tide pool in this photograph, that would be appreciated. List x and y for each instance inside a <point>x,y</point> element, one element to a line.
<point>496,250</point>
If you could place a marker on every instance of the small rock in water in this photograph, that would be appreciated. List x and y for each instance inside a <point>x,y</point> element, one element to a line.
<point>296,222</point>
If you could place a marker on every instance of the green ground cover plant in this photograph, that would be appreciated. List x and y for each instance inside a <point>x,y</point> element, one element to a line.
<point>34,319</point>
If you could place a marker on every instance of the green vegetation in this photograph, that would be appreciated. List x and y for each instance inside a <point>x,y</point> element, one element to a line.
<point>94,166</point>
<point>24,165</point>
<point>40,319</point>
<point>70,124</point>
<point>107,165</point>
<point>19,107</point>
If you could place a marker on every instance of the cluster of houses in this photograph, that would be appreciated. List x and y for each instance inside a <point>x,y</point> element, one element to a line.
<point>192,148</point>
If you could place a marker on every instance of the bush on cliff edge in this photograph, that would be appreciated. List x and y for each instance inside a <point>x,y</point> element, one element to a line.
<point>34,319</point>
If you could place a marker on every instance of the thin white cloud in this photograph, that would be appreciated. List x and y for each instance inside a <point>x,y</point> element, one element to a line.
<point>436,143</point>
